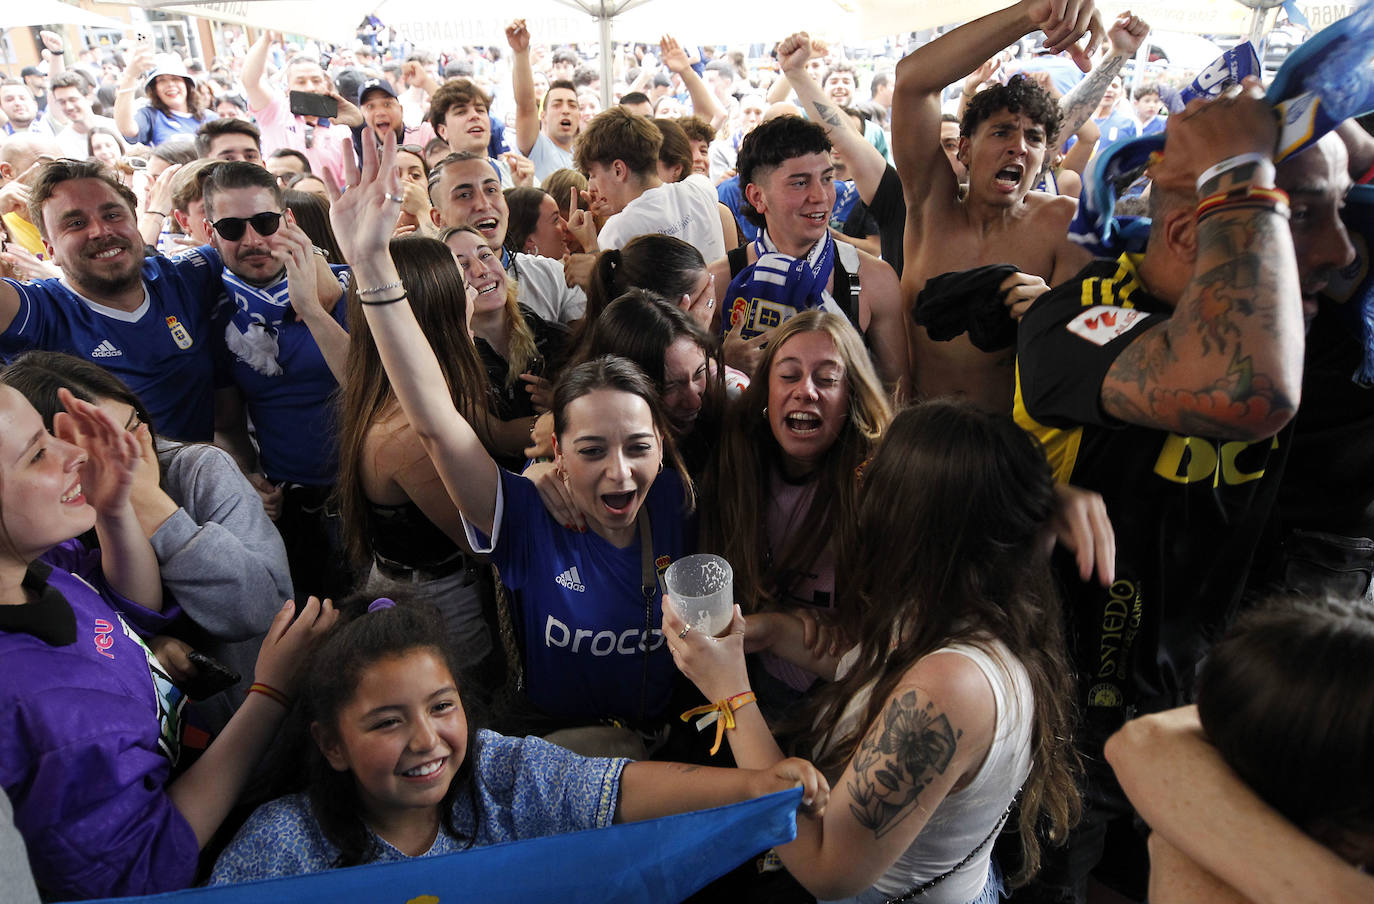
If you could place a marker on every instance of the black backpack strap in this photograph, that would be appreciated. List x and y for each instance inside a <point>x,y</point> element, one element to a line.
<point>738,259</point>
<point>846,291</point>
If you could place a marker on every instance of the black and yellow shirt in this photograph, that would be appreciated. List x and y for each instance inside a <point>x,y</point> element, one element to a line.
<point>1188,510</point>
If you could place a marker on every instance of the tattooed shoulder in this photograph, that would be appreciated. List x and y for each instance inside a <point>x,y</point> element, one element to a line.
<point>910,744</point>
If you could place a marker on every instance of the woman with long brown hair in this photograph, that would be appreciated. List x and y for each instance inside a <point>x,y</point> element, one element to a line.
<point>521,351</point>
<point>953,703</point>
<point>396,512</point>
<point>783,488</point>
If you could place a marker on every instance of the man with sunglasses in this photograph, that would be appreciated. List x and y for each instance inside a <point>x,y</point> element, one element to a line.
<point>146,320</point>
<point>276,354</point>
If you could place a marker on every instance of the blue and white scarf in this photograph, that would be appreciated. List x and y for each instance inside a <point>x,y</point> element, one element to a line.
<point>251,333</point>
<point>777,286</point>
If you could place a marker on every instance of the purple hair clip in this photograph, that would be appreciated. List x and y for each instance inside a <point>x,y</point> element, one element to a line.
<point>379,604</point>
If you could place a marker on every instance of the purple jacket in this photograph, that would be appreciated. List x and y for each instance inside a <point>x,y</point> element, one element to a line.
<point>89,731</point>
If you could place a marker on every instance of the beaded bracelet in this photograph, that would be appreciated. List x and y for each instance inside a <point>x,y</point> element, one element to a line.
<point>382,288</point>
<point>382,301</point>
<point>722,713</point>
<point>270,693</point>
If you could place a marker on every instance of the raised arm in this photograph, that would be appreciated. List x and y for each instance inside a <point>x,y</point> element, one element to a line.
<point>522,84</point>
<point>1188,795</point>
<point>1125,37</point>
<point>1077,157</point>
<point>255,86</point>
<point>364,218</point>
<point>865,162</point>
<point>1228,363</point>
<point>293,248</point>
<point>139,63</point>
<point>704,103</point>
<point>204,793</point>
<point>107,478</point>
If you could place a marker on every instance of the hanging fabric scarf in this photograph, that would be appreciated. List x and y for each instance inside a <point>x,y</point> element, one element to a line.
<point>778,286</point>
<point>251,333</point>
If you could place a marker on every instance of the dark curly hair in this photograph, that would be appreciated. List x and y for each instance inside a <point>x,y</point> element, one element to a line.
<point>1019,95</point>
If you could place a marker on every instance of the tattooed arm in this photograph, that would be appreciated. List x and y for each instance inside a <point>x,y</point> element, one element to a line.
<point>1125,35</point>
<point>930,736</point>
<point>865,163</point>
<point>931,733</point>
<point>1228,363</point>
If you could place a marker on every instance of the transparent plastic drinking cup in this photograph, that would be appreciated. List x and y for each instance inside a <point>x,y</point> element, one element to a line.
<point>701,588</point>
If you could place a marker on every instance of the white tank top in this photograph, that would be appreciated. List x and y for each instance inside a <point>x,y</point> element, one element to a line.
<point>965,817</point>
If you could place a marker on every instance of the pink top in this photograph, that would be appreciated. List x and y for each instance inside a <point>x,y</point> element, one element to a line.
<point>787,503</point>
<point>281,129</point>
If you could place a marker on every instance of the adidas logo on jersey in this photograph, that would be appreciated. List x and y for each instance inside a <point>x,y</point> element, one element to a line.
<point>105,349</point>
<point>571,579</point>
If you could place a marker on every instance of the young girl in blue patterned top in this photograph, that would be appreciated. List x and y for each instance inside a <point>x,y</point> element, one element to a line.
<point>398,770</point>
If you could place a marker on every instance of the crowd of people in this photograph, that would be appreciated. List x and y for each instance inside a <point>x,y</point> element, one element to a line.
<point>356,400</point>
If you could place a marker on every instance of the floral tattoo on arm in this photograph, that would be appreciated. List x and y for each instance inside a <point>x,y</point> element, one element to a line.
<point>902,754</point>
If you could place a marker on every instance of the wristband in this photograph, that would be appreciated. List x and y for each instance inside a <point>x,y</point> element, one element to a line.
<point>722,713</point>
<point>126,90</point>
<point>1275,199</point>
<point>1231,163</point>
<point>270,692</point>
<point>156,213</point>
<point>381,301</point>
<point>382,288</point>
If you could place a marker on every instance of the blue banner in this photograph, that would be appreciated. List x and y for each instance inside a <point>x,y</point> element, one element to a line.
<point>653,862</point>
<point>1229,69</point>
<point>1326,81</point>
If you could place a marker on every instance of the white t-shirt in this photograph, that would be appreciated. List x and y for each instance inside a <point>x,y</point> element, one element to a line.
<point>685,210</point>
<point>547,157</point>
<point>73,143</point>
<point>541,287</point>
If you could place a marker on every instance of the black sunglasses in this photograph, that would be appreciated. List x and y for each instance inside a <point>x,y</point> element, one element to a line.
<point>231,229</point>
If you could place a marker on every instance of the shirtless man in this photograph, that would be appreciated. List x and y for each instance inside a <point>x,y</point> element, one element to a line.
<point>1004,137</point>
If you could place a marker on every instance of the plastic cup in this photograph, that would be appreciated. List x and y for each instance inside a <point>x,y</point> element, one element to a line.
<point>702,590</point>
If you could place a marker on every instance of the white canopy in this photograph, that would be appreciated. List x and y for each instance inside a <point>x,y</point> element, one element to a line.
<point>438,25</point>
<point>21,13</point>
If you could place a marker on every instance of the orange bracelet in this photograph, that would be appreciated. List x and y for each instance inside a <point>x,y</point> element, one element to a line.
<point>270,693</point>
<point>722,713</point>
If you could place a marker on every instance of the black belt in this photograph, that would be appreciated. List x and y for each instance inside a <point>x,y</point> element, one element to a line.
<point>395,571</point>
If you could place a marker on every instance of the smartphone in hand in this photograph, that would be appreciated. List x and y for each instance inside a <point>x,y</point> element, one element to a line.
<point>304,103</point>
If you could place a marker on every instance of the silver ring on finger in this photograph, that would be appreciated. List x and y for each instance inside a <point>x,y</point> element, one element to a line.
<point>683,633</point>
<point>397,198</point>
